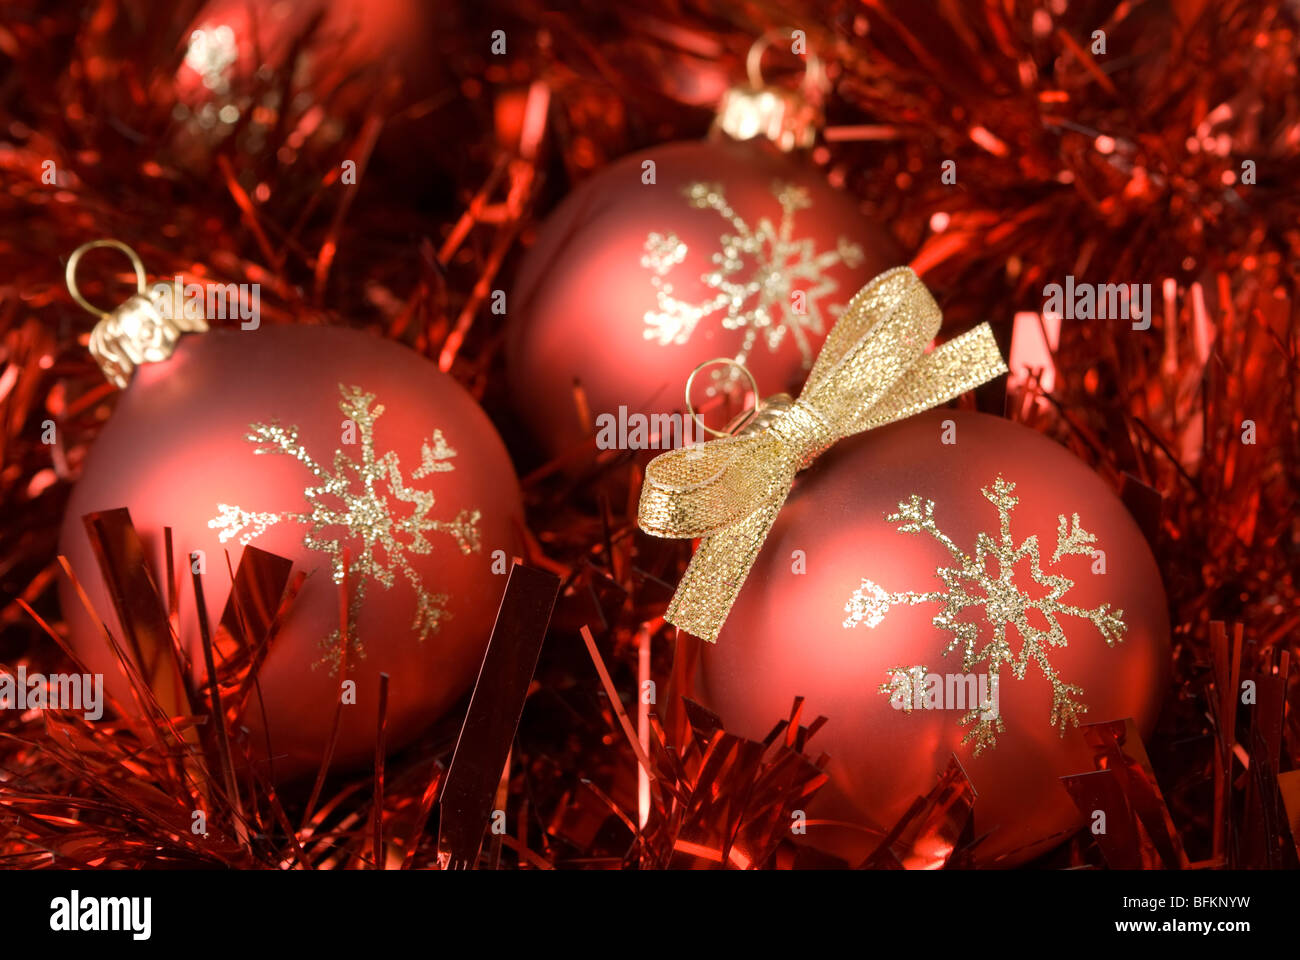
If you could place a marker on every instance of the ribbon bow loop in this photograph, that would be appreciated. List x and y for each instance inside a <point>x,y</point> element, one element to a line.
<point>872,370</point>
<point>696,491</point>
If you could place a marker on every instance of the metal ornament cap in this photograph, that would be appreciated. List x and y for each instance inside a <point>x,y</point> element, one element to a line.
<point>791,119</point>
<point>143,329</point>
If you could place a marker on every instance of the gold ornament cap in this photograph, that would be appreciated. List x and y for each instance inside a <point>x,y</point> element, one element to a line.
<point>143,329</point>
<point>791,119</point>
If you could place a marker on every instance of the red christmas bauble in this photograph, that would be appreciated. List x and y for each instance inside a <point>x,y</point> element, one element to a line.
<point>894,552</point>
<point>306,442</point>
<point>343,60</point>
<point>232,39</point>
<point>735,250</point>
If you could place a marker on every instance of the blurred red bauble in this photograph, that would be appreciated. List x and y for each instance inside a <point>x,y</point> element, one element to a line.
<point>309,71</point>
<point>231,40</point>
<point>896,547</point>
<point>735,250</point>
<point>308,442</point>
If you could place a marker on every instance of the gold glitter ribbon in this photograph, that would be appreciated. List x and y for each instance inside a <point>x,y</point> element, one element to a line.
<point>872,370</point>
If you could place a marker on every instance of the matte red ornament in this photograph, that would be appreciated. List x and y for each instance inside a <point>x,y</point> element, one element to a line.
<point>896,546</point>
<point>344,62</point>
<point>310,442</point>
<point>735,250</point>
<point>230,40</point>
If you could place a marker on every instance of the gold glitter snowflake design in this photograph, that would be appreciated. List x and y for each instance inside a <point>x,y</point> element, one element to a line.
<point>970,584</point>
<point>211,53</point>
<point>355,506</point>
<point>755,274</point>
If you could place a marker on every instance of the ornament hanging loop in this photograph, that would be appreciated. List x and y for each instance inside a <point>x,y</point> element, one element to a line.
<point>143,329</point>
<point>791,119</point>
<point>814,81</point>
<point>744,416</point>
<point>70,275</point>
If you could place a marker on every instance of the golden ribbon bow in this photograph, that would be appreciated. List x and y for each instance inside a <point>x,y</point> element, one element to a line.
<point>872,370</point>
